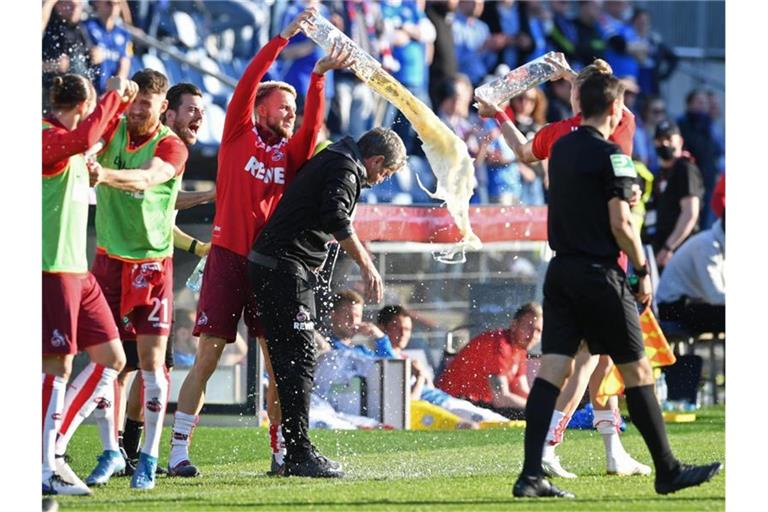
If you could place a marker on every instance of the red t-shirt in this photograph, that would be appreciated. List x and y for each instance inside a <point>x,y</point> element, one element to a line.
<point>490,353</point>
<point>253,173</point>
<point>549,134</point>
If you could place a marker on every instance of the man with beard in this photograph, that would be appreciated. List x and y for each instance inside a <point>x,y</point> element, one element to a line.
<point>184,116</point>
<point>258,158</point>
<point>137,176</point>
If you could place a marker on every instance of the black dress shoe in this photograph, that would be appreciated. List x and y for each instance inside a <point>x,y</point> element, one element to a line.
<point>538,487</point>
<point>688,476</point>
<point>314,466</point>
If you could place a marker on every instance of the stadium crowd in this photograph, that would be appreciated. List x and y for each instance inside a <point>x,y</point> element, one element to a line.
<point>441,51</point>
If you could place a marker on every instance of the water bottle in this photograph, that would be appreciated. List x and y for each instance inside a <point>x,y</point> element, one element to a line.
<point>195,279</point>
<point>661,388</point>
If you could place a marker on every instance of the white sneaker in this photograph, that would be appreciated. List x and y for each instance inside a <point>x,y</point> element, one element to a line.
<point>56,485</point>
<point>69,476</point>
<point>552,468</point>
<point>626,466</point>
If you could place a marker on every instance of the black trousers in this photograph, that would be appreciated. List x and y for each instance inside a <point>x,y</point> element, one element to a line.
<point>286,308</point>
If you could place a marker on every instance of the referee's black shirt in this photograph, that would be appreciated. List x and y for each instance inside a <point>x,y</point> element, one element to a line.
<point>585,172</point>
<point>316,207</point>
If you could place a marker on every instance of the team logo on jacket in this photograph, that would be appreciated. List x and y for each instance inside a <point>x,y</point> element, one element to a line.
<point>277,155</point>
<point>57,339</point>
<point>302,321</point>
<point>202,319</point>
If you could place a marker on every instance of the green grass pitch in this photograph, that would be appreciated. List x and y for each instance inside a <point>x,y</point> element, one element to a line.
<point>411,471</point>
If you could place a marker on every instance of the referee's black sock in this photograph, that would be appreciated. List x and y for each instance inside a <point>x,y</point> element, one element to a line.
<point>538,413</point>
<point>646,415</point>
<point>132,436</point>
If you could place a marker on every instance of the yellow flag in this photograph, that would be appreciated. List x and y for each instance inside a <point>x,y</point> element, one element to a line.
<point>656,348</point>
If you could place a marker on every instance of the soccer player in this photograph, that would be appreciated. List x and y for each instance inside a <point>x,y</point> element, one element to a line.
<point>184,116</point>
<point>137,176</point>
<point>590,370</point>
<point>75,314</point>
<point>258,158</point>
<point>586,293</point>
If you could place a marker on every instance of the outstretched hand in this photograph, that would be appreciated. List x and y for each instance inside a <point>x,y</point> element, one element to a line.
<point>562,68</point>
<point>303,20</point>
<point>340,57</point>
<point>486,108</point>
<point>126,89</point>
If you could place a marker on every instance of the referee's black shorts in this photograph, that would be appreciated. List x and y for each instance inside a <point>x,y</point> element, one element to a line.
<point>590,299</point>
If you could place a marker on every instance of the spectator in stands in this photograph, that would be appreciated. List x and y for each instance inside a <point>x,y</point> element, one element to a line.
<point>678,194</point>
<point>692,288</point>
<point>590,41</point>
<point>347,321</point>
<point>621,52</point>
<point>491,371</point>
<point>112,48</point>
<point>657,61</point>
<point>396,323</point>
<point>65,44</point>
<point>653,112</point>
<point>353,105</point>
<point>698,136</point>
<point>563,35</point>
<point>529,110</point>
<point>502,174</point>
<point>509,37</point>
<point>444,64</point>
<point>473,43</point>
<point>537,21</point>
<point>301,54</point>
<point>411,36</point>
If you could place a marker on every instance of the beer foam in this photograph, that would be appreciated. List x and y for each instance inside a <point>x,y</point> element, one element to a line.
<point>447,154</point>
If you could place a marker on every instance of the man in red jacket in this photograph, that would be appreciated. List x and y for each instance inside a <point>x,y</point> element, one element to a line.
<point>257,161</point>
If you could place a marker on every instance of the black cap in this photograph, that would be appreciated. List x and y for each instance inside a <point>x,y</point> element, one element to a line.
<point>666,129</point>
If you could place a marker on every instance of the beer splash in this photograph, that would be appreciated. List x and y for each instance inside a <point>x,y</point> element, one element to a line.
<point>447,154</point>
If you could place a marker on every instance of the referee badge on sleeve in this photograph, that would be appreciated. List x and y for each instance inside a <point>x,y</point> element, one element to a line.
<point>623,167</point>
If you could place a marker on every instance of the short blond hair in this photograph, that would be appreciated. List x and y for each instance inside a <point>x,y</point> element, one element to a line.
<point>266,88</point>
<point>598,67</point>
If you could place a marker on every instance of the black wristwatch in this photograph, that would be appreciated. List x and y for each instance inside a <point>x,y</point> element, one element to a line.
<point>642,271</point>
<point>192,246</point>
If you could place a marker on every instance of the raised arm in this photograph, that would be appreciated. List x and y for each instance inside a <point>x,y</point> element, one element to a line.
<point>515,139</point>
<point>58,145</point>
<point>240,110</point>
<point>302,145</point>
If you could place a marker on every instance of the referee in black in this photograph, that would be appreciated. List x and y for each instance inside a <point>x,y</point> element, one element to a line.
<point>283,264</point>
<point>586,295</point>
